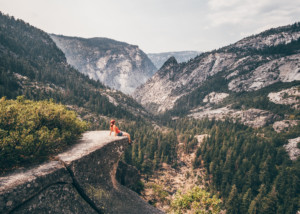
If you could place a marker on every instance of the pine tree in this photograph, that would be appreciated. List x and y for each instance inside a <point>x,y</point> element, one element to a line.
<point>255,205</point>
<point>246,200</point>
<point>269,203</point>
<point>232,203</point>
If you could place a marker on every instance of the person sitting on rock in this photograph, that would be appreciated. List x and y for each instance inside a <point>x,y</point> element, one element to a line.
<point>114,128</point>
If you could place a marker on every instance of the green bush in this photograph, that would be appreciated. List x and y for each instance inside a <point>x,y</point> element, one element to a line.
<point>31,131</point>
<point>196,200</point>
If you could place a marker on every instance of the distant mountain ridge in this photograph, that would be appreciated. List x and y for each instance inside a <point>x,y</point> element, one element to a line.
<point>181,56</point>
<point>249,65</point>
<point>116,64</point>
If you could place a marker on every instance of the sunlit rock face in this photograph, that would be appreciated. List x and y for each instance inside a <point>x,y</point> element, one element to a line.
<point>290,96</point>
<point>255,118</point>
<point>116,64</point>
<point>292,148</point>
<point>243,66</point>
<point>284,69</point>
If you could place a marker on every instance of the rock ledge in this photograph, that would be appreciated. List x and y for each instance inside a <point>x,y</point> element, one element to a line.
<point>80,180</point>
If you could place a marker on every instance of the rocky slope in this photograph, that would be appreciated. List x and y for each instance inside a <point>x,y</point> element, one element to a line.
<point>284,69</point>
<point>292,148</point>
<point>290,96</point>
<point>248,65</point>
<point>252,117</point>
<point>159,59</point>
<point>116,64</point>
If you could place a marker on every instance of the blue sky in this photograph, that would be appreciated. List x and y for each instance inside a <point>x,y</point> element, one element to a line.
<point>157,25</point>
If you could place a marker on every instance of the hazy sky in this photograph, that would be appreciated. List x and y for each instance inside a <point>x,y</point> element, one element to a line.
<point>157,25</point>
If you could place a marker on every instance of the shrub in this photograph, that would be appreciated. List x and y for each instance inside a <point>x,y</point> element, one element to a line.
<point>160,195</point>
<point>196,200</point>
<point>31,131</point>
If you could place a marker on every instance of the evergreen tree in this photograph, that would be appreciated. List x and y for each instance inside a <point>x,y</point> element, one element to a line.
<point>246,200</point>
<point>269,203</point>
<point>255,206</point>
<point>232,203</point>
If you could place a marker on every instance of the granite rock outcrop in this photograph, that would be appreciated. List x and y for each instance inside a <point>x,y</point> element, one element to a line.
<point>80,180</point>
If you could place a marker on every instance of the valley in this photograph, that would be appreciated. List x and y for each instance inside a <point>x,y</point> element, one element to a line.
<point>219,132</point>
<point>162,186</point>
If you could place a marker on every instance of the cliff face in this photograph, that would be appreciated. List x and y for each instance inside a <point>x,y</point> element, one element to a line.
<point>116,64</point>
<point>80,180</point>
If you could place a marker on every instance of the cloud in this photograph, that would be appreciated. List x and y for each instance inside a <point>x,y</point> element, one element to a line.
<point>232,20</point>
<point>221,4</point>
<point>252,12</point>
<point>157,25</point>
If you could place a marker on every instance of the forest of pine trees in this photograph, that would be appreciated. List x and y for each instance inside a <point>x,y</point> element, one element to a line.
<point>248,167</point>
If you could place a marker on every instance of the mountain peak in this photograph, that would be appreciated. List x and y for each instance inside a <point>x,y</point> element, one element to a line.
<point>181,56</point>
<point>105,59</point>
<point>171,61</point>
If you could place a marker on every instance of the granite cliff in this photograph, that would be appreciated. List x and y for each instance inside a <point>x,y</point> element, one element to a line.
<point>80,180</point>
<point>116,64</point>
